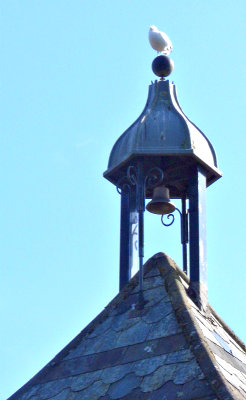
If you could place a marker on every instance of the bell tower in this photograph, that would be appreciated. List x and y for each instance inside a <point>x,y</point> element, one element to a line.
<point>163,156</point>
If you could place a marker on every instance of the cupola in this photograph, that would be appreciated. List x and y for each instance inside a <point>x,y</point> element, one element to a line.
<point>163,155</point>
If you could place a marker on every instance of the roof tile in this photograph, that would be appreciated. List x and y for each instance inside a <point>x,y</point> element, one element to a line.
<point>124,386</point>
<point>167,350</point>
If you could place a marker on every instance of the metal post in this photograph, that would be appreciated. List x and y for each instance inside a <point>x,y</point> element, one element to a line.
<point>184,233</point>
<point>140,207</point>
<point>197,222</point>
<point>141,247</point>
<point>128,233</point>
<point>125,267</point>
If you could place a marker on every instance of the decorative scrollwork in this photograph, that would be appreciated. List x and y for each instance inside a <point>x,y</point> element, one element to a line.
<point>122,183</point>
<point>168,217</point>
<point>130,179</point>
<point>154,177</point>
<point>180,213</point>
<point>132,175</point>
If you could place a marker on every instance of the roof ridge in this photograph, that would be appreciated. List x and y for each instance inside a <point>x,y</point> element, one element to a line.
<point>194,336</point>
<point>210,308</point>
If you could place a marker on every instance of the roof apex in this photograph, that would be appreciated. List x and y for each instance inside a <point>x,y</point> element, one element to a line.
<point>170,346</point>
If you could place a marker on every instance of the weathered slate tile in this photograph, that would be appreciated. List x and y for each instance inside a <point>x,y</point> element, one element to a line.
<point>135,394</point>
<point>64,369</point>
<point>87,346</point>
<point>186,372</point>
<point>150,282</point>
<point>77,351</point>
<point>94,392</point>
<point>138,312</point>
<point>81,382</point>
<point>156,347</point>
<point>155,295</point>
<point>106,359</point>
<point>84,364</point>
<point>190,391</point>
<point>140,351</point>
<point>122,322</point>
<point>195,389</point>
<point>158,312</point>
<point>62,395</point>
<point>123,387</point>
<point>126,305</point>
<point>53,388</point>
<point>179,356</point>
<point>102,327</point>
<point>135,334</point>
<point>170,344</point>
<point>158,378</point>
<point>31,392</point>
<point>102,343</point>
<point>219,351</point>
<point>110,375</point>
<point>169,391</point>
<point>149,365</point>
<point>165,327</point>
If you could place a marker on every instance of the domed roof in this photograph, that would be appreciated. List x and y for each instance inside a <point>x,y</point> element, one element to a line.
<point>163,129</point>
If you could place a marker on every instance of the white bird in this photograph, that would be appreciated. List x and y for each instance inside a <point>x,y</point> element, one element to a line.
<point>160,41</point>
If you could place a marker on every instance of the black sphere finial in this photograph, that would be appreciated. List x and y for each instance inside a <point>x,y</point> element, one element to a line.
<point>162,66</point>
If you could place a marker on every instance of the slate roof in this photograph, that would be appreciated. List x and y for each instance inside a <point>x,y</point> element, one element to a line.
<point>167,350</point>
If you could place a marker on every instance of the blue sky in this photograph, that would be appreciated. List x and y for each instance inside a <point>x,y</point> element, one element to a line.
<point>75,75</point>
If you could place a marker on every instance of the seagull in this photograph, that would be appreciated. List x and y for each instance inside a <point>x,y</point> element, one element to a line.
<point>160,41</point>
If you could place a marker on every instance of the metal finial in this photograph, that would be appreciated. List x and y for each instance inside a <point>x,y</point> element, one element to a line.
<point>162,66</point>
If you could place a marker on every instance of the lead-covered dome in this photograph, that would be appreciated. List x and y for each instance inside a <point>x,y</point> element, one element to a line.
<point>163,129</point>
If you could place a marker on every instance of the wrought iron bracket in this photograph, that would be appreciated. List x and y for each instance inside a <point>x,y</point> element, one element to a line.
<point>135,176</point>
<point>183,229</point>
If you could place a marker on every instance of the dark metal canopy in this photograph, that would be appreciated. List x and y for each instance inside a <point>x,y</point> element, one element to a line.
<point>162,129</point>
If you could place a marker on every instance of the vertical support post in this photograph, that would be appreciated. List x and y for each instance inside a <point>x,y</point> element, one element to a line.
<point>128,234</point>
<point>141,247</point>
<point>125,266</point>
<point>197,222</point>
<point>133,234</point>
<point>140,208</point>
<point>184,233</point>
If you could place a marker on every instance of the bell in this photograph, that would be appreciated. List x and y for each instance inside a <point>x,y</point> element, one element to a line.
<point>160,203</point>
